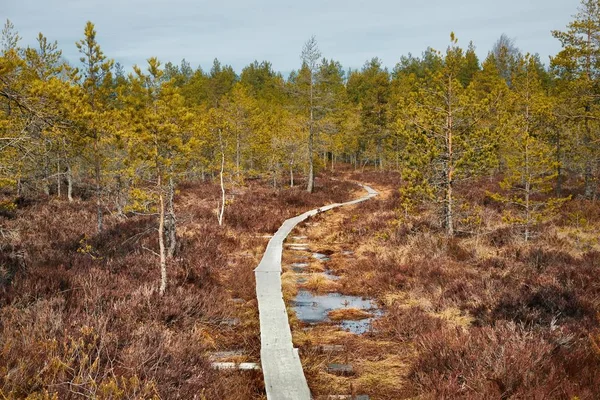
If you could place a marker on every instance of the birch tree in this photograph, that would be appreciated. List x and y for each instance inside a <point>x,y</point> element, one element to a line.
<point>310,57</point>
<point>157,145</point>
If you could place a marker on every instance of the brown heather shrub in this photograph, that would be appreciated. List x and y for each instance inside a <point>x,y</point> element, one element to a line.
<point>579,213</point>
<point>247,214</point>
<point>533,306</point>
<point>542,303</point>
<point>377,177</point>
<point>497,362</point>
<point>405,324</point>
<point>79,311</point>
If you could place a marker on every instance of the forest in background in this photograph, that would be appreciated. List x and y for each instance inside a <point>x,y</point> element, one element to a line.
<point>124,147</point>
<point>437,119</point>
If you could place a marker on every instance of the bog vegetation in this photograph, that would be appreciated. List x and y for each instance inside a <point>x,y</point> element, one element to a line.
<point>132,207</point>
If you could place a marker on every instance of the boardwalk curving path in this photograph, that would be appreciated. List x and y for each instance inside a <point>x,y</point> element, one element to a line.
<point>282,369</point>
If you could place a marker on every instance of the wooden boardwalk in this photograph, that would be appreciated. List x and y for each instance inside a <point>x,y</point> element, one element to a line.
<point>282,369</point>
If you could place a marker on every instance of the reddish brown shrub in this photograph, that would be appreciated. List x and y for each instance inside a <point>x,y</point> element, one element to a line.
<point>504,361</point>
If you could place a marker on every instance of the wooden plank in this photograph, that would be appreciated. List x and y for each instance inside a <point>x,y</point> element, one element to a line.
<point>245,366</point>
<point>282,369</point>
<point>340,369</point>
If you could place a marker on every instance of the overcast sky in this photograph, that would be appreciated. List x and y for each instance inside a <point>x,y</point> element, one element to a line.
<point>238,32</point>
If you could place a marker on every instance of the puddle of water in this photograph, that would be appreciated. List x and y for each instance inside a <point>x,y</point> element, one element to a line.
<point>313,308</point>
<point>300,264</point>
<point>321,257</point>
<point>330,275</point>
<point>299,267</point>
<point>347,252</point>
<point>361,326</point>
<point>357,327</point>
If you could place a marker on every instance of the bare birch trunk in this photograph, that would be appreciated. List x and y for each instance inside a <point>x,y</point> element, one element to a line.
<point>161,239</point>
<point>69,183</point>
<point>171,222</point>
<point>222,211</point>
<point>311,173</point>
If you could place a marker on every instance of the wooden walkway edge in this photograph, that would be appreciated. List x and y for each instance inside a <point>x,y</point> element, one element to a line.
<point>281,366</point>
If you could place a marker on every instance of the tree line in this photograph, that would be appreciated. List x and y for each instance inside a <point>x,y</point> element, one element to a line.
<point>127,140</point>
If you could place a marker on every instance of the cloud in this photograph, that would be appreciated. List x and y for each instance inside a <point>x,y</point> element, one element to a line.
<point>239,32</point>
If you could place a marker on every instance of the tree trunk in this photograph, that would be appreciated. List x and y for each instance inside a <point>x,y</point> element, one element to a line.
<point>449,166</point>
<point>161,239</point>
<point>589,188</point>
<point>527,177</point>
<point>527,190</point>
<point>46,180</point>
<point>311,173</point>
<point>397,153</point>
<point>222,211</point>
<point>558,189</point>
<point>291,174</point>
<point>379,155</point>
<point>171,222</point>
<point>69,183</point>
<point>119,200</point>
<point>98,187</point>
<point>237,154</point>
<point>58,178</point>
<point>98,199</point>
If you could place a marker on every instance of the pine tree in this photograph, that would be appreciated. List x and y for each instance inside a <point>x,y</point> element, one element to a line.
<point>220,82</point>
<point>470,66</point>
<point>530,165</point>
<point>97,79</point>
<point>442,140</point>
<point>578,68</point>
<point>371,90</point>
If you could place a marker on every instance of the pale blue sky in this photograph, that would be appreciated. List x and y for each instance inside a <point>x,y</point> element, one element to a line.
<point>238,32</point>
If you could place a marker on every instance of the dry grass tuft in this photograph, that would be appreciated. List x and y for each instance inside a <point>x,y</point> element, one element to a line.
<point>320,283</point>
<point>349,314</point>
